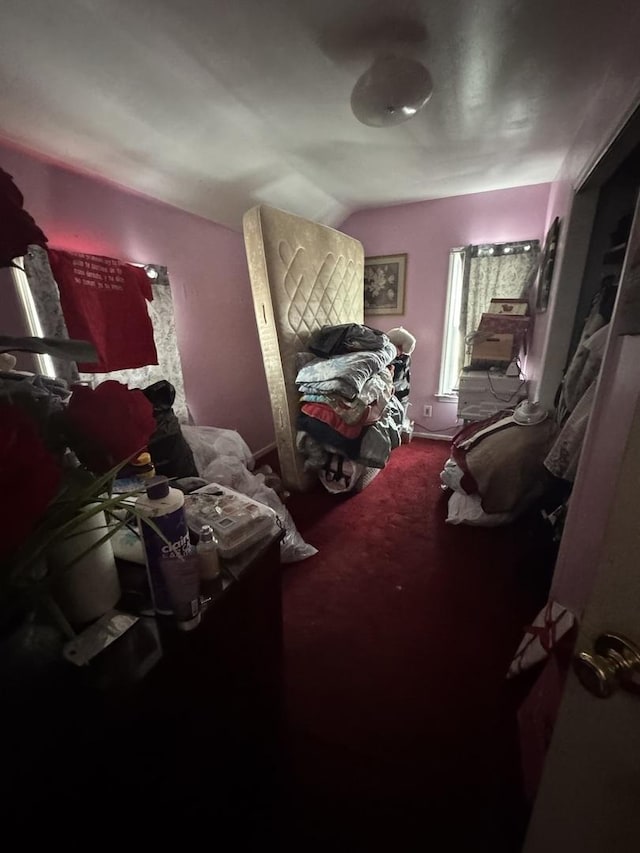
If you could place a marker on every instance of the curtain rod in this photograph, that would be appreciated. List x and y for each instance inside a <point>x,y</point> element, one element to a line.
<point>515,247</point>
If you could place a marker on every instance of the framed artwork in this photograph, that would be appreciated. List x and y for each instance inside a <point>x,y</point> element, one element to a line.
<point>384,277</point>
<point>547,262</point>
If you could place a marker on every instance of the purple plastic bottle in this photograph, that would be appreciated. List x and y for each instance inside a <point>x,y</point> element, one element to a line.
<point>165,507</point>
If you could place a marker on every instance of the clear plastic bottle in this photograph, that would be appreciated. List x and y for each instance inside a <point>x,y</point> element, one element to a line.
<point>208,557</point>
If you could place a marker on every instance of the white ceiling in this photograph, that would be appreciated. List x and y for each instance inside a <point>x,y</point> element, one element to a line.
<point>214,105</point>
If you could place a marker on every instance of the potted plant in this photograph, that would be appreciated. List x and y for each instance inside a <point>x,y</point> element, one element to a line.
<point>58,461</point>
<point>57,468</point>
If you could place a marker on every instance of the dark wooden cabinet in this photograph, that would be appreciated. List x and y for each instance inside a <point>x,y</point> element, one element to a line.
<point>163,727</point>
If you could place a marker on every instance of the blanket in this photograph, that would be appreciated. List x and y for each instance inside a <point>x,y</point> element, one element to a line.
<point>344,374</point>
<point>506,467</point>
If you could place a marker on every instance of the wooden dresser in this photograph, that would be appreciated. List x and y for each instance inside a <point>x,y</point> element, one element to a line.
<point>163,728</point>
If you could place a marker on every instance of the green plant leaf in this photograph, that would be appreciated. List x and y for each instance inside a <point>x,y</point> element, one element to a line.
<point>81,497</point>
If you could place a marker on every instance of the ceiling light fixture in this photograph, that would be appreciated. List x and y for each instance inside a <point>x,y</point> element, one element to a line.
<point>393,90</point>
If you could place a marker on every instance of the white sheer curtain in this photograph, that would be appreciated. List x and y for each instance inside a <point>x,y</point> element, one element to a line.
<point>47,302</point>
<point>495,276</point>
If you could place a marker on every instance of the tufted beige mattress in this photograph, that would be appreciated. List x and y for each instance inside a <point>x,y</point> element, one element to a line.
<point>303,276</point>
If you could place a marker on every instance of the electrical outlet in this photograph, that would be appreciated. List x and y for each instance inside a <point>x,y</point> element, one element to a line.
<point>427,411</point>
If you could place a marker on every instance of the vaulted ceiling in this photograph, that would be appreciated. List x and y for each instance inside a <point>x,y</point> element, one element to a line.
<point>215,105</point>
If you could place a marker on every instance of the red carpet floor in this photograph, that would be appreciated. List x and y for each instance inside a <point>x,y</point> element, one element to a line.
<point>398,633</point>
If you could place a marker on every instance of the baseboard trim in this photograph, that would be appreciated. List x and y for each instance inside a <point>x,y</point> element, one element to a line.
<point>436,436</point>
<point>264,450</point>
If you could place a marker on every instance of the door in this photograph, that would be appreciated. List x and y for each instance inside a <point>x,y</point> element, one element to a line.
<point>589,797</point>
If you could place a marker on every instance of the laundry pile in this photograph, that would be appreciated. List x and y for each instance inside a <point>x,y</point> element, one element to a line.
<point>351,418</point>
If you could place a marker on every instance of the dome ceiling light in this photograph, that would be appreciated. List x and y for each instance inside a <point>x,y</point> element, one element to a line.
<point>393,90</point>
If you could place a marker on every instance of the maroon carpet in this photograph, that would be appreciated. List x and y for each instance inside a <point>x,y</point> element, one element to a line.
<point>398,634</point>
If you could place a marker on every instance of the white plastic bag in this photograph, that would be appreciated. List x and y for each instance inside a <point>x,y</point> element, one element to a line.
<point>451,475</point>
<point>467,509</point>
<point>222,456</point>
<point>232,473</point>
<point>209,443</point>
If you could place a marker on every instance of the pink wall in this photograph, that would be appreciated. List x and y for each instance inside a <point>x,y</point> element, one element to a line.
<point>550,342</point>
<point>427,231</point>
<point>559,204</point>
<point>221,358</point>
<point>222,362</point>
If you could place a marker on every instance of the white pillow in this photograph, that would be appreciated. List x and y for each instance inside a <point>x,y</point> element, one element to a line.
<point>403,340</point>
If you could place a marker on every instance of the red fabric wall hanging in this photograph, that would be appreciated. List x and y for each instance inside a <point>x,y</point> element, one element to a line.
<point>104,301</point>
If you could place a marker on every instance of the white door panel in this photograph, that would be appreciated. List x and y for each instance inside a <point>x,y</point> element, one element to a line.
<point>589,798</point>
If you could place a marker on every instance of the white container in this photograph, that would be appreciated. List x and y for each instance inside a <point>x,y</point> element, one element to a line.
<point>165,507</point>
<point>237,521</point>
<point>90,587</point>
<point>481,394</point>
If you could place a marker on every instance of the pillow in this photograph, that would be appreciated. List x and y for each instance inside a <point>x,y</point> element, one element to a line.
<point>404,340</point>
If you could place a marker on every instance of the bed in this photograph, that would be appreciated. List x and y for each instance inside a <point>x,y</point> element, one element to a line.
<point>303,276</point>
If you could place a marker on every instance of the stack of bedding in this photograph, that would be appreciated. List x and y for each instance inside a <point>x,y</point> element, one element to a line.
<point>350,419</point>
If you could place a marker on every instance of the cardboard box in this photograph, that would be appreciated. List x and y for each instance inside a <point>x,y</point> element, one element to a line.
<point>490,349</point>
<point>510,307</point>
<point>507,324</point>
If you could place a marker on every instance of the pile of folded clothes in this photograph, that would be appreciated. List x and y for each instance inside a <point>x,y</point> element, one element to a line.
<point>350,419</point>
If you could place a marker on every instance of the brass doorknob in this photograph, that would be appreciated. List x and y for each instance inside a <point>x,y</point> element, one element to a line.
<point>615,662</point>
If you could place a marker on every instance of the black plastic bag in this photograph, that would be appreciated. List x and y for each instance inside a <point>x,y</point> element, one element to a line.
<point>169,450</point>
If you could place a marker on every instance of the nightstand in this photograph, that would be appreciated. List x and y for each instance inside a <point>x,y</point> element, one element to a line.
<point>483,393</point>
<point>163,728</point>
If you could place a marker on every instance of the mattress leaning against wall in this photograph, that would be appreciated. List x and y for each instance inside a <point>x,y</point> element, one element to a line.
<point>303,276</point>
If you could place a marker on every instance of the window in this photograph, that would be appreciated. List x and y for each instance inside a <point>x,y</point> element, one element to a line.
<point>44,363</point>
<point>40,302</point>
<point>452,344</point>
<point>477,274</point>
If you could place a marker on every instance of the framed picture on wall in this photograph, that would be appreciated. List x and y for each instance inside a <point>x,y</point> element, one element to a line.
<point>384,279</point>
<point>547,262</point>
